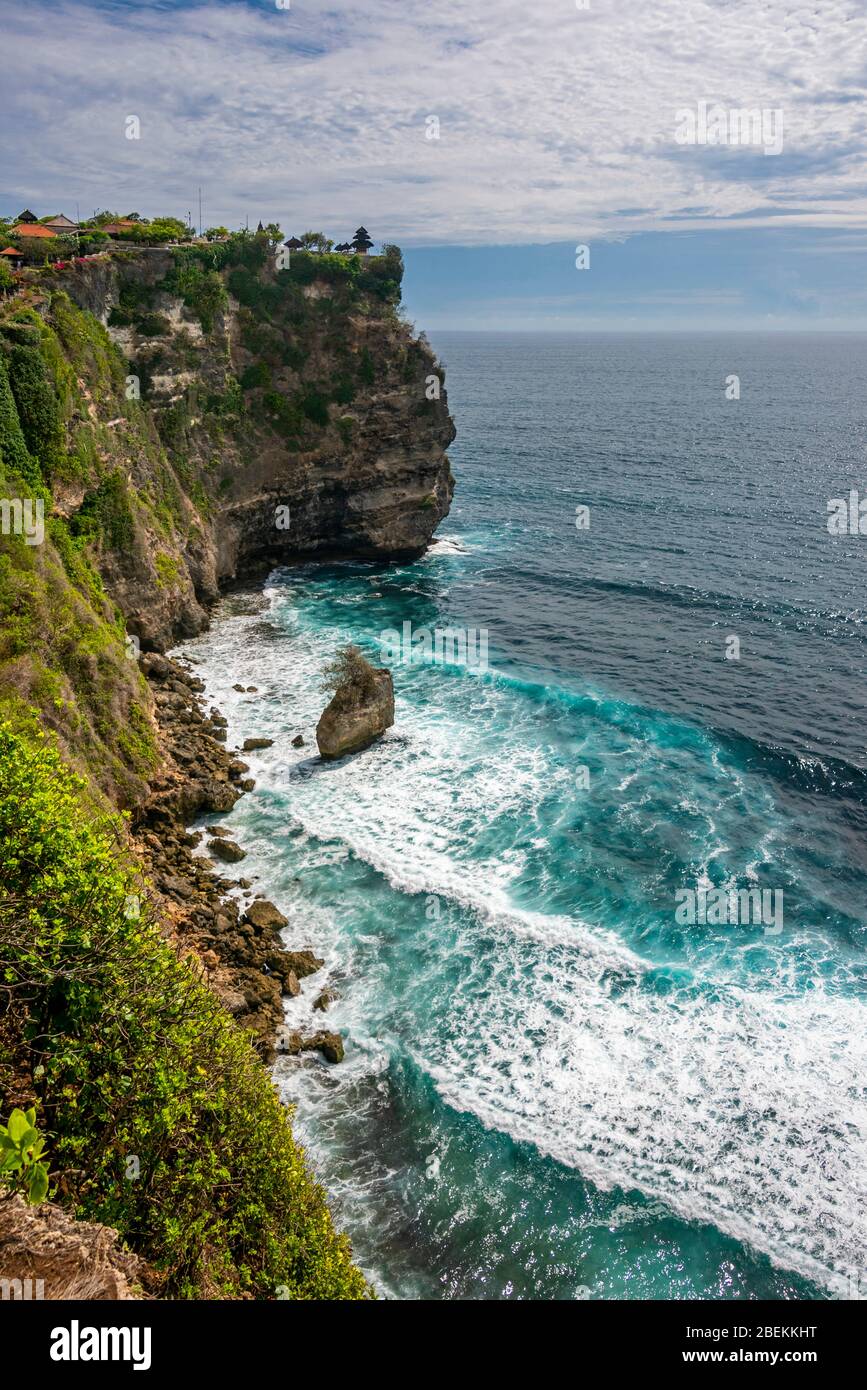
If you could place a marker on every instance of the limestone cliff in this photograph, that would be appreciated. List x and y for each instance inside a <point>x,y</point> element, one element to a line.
<point>186,417</point>
<point>297,417</point>
<point>169,421</point>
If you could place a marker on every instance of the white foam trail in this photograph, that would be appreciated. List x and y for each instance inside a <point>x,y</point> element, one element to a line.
<point>736,1110</point>
<point>740,1108</point>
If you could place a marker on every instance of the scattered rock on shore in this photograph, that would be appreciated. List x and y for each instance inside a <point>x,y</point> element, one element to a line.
<point>304,963</point>
<point>241,957</point>
<point>329,1044</point>
<point>227,850</point>
<point>264,914</point>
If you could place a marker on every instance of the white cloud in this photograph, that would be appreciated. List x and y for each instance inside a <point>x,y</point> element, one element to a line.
<point>555,123</point>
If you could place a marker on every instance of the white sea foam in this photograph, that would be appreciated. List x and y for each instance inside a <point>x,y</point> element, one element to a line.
<point>740,1107</point>
<point>446,545</point>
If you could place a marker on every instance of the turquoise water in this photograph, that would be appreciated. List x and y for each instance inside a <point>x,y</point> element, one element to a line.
<point>553,1089</point>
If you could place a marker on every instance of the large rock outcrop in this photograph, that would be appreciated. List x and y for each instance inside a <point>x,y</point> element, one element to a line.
<point>350,724</point>
<point>195,414</point>
<point>284,415</point>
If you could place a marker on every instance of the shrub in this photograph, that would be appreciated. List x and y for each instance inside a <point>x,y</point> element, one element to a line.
<point>38,406</point>
<point>168,569</point>
<point>201,288</point>
<point>13,446</point>
<point>21,1147</point>
<point>152,325</point>
<point>315,406</point>
<point>283,415</point>
<point>383,275</point>
<point>105,515</point>
<point>366,370</point>
<point>256,374</point>
<point>349,677</point>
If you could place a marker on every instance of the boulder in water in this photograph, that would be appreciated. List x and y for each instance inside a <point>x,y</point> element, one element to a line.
<point>361,709</point>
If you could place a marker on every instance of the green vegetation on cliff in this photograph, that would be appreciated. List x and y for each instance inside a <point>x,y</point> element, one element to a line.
<point>159,1116</point>
<point>63,645</point>
<point>161,1119</point>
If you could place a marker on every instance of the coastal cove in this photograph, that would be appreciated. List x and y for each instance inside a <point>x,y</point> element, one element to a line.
<point>552,1089</point>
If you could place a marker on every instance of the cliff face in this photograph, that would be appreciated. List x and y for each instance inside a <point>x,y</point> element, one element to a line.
<point>170,420</point>
<point>296,416</point>
<point>185,417</point>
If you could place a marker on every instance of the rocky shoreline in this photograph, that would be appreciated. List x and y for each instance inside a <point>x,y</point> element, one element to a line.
<point>239,953</point>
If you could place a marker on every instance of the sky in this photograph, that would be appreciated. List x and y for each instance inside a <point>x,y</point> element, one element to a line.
<point>489,138</point>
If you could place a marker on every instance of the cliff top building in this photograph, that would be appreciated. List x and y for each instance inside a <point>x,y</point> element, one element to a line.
<point>361,242</point>
<point>60,224</point>
<point>115,228</point>
<point>33,230</point>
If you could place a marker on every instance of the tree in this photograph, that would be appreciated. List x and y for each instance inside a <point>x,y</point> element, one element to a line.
<point>163,229</point>
<point>273,232</point>
<point>7,279</point>
<point>315,241</point>
<point>216,233</point>
<point>349,677</point>
<point>92,240</point>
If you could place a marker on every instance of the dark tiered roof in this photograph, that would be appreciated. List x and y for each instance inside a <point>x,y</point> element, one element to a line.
<point>27,216</point>
<point>293,244</point>
<point>361,241</point>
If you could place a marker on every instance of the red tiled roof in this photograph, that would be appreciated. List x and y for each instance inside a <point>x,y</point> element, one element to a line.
<point>31,229</point>
<point>10,251</point>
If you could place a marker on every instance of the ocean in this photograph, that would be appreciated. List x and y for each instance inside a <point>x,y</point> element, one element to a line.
<point>558,1083</point>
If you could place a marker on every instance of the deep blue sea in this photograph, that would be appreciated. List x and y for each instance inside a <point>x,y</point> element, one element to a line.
<point>553,1088</point>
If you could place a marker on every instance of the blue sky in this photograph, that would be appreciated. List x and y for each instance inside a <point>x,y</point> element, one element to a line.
<point>487,137</point>
<point>770,279</point>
